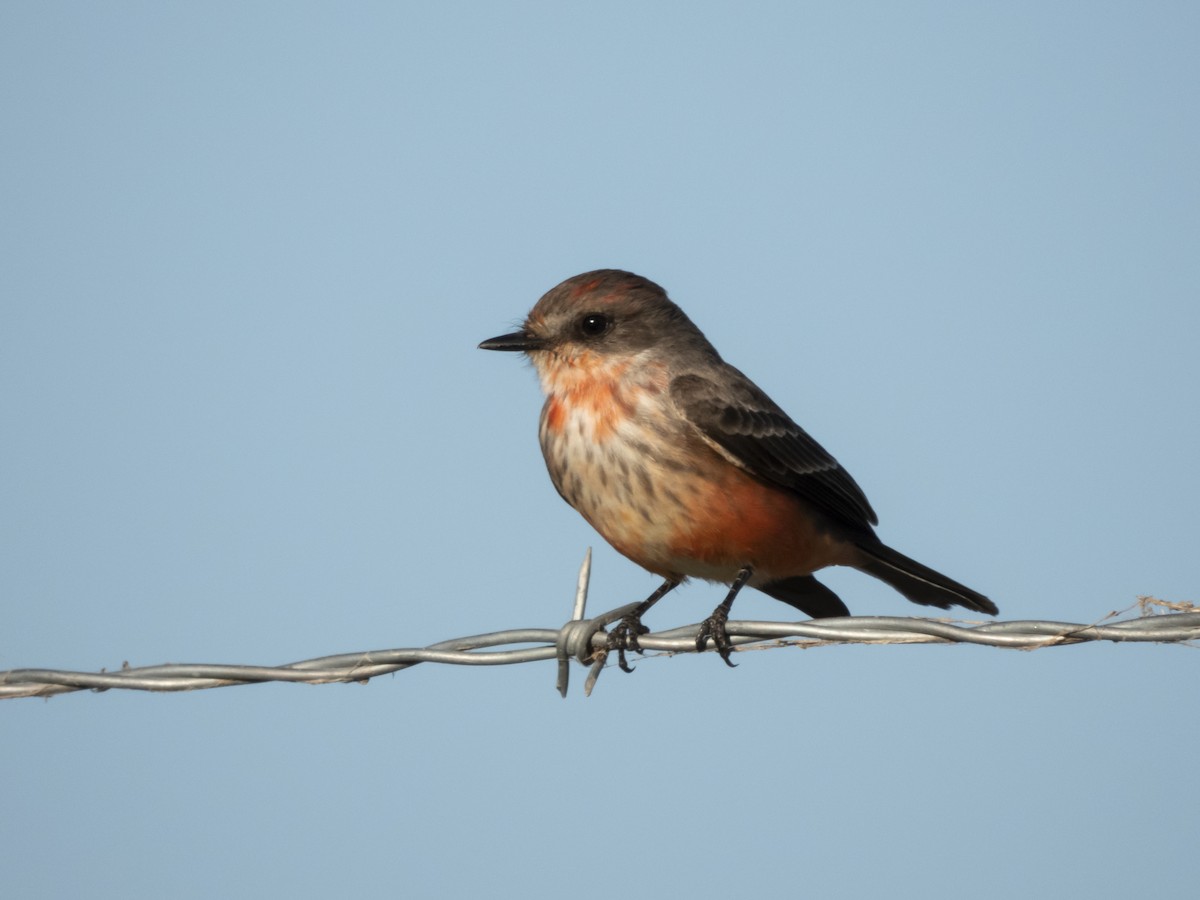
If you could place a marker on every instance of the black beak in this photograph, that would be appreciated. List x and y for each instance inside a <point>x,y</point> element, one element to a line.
<point>517,341</point>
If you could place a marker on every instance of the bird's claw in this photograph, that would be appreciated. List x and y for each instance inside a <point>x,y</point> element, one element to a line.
<point>714,627</point>
<point>625,637</point>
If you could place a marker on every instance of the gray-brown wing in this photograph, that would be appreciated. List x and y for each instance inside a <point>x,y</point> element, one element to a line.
<point>749,426</point>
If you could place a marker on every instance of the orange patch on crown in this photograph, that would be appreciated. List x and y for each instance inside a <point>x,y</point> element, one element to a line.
<point>586,288</point>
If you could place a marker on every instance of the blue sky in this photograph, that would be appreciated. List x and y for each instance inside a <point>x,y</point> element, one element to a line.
<point>249,252</point>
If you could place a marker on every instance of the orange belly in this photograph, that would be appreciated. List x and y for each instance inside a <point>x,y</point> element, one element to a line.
<point>736,520</point>
<point>652,488</point>
<point>678,508</point>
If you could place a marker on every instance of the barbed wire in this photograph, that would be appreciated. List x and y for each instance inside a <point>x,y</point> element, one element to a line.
<point>585,640</point>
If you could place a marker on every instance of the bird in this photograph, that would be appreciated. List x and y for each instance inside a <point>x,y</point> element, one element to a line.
<point>688,468</point>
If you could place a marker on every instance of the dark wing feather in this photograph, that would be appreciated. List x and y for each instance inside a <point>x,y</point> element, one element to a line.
<point>745,423</point>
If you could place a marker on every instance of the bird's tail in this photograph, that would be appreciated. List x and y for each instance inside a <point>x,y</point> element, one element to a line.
<point>808,595</point>
<point>918,583</point>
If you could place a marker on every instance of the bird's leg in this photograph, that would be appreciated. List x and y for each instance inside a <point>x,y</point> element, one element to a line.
<point>714,626</point>
<point>625,635</point>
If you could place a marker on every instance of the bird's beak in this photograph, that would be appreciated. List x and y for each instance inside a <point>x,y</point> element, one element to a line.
<point>517,341</point>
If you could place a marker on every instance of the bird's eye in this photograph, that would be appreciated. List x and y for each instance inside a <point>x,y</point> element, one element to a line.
<point>594,324</point>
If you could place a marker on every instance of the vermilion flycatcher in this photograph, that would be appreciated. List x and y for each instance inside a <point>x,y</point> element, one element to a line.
<point>688,468</point>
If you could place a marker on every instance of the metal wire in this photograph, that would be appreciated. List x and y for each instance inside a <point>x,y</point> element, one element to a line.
<point>585,640</point>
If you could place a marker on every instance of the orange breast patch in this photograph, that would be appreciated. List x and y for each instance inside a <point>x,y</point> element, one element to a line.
<point>587,387</point>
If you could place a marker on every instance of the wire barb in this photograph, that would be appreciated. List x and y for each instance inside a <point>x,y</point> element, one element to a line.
<point>585,640</point>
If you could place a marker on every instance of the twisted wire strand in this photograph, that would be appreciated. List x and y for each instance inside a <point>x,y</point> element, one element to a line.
<point>585,640</point>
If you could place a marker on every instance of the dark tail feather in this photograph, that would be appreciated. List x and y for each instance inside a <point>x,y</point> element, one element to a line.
<point>808,595</point>
<point>919,583</point>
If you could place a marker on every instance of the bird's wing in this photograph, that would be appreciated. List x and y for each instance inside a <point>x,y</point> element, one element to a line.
<point>745,425</point>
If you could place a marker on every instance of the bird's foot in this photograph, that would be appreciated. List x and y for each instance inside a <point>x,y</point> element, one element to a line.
<point>714,627</point>
<point>625,637</point>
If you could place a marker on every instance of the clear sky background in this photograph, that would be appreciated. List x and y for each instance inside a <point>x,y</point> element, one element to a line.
<point>248,252</point>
